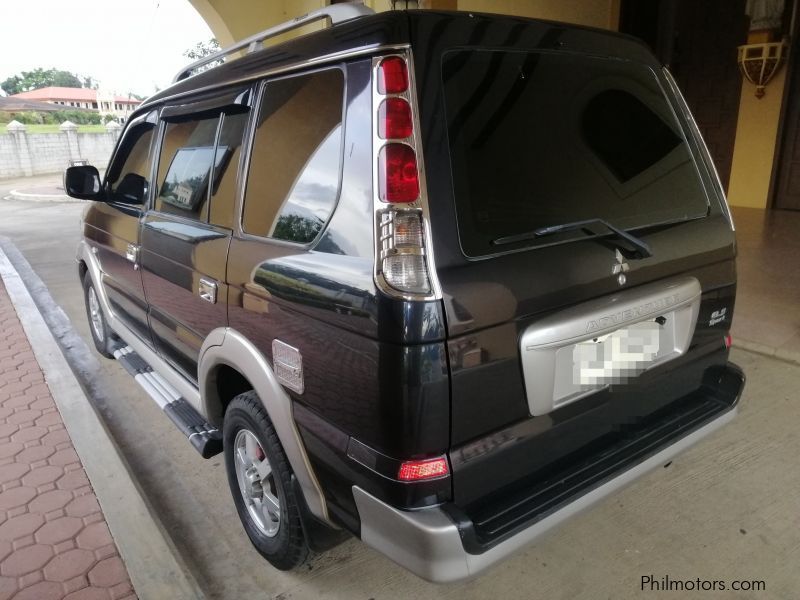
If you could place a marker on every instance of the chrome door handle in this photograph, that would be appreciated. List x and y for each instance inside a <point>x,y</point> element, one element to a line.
<point>132,254</point>
<point>207,290</point>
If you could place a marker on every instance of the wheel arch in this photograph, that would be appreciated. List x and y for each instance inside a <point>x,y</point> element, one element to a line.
<point>228,352</point>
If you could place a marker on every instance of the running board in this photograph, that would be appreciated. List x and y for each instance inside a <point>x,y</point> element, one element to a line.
<point>205,438</point>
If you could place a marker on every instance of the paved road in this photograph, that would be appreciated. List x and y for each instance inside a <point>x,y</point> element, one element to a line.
<point>726,510</point>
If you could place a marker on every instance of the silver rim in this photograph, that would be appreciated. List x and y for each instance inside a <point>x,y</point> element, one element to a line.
<point>95,315</point>
<point>257,483</point>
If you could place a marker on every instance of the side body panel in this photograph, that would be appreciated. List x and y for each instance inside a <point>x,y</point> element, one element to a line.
<point>112,227</point>
<point>113,230</point>
<point>375,369</point>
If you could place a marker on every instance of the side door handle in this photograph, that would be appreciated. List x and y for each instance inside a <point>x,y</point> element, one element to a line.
<point>207,290</point>
<point>132,254</point>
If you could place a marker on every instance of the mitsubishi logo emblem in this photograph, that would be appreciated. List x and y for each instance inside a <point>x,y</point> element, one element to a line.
<point>619,268</point>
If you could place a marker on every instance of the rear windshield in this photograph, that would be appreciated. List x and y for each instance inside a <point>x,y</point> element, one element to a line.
<point>541,139</point>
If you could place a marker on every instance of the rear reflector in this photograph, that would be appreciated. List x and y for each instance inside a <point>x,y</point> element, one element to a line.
<point>394,119</point>
<point>728,341</point>
<point>398,179</point>
<point>415,470</point>
<point>392,76</point>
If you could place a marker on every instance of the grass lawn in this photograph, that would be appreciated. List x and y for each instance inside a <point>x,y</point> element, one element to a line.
<point>54,128</point>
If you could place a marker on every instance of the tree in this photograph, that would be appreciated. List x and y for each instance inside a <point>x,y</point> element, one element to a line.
<point>39,78</point>
<point>201,50</point>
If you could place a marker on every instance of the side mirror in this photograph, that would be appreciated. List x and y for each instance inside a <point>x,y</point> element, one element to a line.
<point>83,183</point>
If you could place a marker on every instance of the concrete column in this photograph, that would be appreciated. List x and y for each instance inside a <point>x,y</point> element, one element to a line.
<point>18,131</point>
<point>113,128</point>
<point>71,131</point>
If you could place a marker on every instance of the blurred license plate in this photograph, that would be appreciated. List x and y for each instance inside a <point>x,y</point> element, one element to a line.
<point>617,356</point>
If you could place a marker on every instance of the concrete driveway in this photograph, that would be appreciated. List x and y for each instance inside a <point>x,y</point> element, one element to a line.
<point>727,510</point>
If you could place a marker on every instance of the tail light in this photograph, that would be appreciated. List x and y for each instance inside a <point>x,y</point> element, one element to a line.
<point>392,75</point>
<point>728,341</point>
<point>394,119</point>
<point>402,263</point>
<point>398,179</point>
<point>416,470</point>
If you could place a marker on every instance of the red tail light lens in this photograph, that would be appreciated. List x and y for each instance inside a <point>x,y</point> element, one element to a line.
<point>392,76</point>
<point>415,470</point>
<point>728,341</point>
<point>398,179</point>
<point>394,119</point>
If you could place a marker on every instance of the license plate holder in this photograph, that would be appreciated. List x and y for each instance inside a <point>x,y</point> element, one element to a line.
<point>564,355</point>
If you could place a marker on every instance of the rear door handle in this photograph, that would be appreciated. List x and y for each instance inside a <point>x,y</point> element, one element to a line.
<point>207,290</point>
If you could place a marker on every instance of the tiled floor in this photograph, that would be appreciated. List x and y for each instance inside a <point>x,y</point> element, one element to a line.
<point>54,541</point>
<point>768,295</point>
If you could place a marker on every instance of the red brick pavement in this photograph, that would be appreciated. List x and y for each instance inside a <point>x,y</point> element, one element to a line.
<point>54,541</point>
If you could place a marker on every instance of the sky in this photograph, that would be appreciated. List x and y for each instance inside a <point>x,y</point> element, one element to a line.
<point>127,45</point>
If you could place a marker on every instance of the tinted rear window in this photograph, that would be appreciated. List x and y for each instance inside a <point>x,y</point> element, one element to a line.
<point>541,139</point>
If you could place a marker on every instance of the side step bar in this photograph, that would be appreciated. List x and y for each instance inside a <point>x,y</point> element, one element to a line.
<point>205,438</point>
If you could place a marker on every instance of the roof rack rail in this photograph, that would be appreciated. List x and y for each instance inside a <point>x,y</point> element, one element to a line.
<point>337,13</point>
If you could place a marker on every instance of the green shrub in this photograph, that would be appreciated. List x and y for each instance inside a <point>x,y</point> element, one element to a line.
<point>79,117</point>
<point>29,118</point>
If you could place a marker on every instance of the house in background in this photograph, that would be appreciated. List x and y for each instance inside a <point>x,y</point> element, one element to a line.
<point>106,103</point>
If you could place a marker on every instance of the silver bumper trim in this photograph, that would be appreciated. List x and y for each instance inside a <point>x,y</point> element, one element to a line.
<point>427,542</point>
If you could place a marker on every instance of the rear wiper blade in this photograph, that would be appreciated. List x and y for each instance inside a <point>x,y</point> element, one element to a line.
<point>642,248</point>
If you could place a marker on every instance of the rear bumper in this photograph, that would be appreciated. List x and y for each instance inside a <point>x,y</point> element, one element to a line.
<point>429,543</point>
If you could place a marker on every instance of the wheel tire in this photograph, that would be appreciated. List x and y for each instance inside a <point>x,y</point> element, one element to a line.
<point>285,548</point>
<point>102,335</point>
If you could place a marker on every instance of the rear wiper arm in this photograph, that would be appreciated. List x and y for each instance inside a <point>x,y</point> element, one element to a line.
<point>642,248</point>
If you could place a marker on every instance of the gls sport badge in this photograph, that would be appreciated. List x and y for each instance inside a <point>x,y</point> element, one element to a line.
<point>718,316</point>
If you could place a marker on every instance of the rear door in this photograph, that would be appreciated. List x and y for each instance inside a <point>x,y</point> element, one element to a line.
<point>562,126</point>
<point>186,236</point>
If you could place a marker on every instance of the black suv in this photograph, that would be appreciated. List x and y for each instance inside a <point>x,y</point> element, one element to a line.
<point>439,280</point>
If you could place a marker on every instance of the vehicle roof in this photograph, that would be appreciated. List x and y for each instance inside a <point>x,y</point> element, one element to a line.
<point>419,28</point>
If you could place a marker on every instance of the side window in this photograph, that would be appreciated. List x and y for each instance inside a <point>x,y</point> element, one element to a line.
<point>223,191</point>
<point>128,178</point>
<point>293,179</point>
<point>184,167</point>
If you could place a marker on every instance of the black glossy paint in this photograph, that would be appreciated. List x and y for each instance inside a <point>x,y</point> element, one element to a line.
<point>558,483</point>
<point>489,302</point>
<point>110,228</point>
<point>338,472</point>
<point>176,253</point>
<point>420,379</point>
<point>374,367</point>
